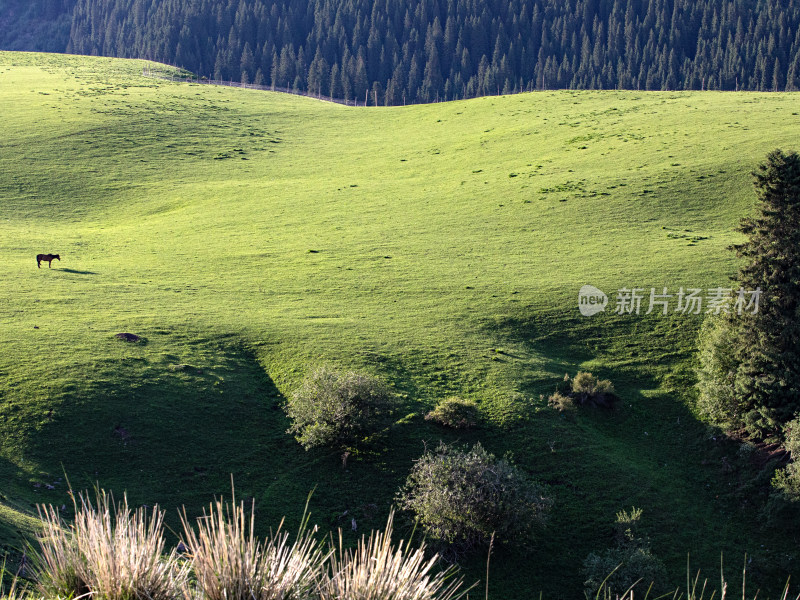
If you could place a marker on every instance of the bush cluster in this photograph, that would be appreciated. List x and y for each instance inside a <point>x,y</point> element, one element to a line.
<point>586,383</point>
<point>583,389</point>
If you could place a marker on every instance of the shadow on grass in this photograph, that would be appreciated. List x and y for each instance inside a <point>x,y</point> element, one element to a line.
<point>171,436</point>
<point>630,349</point>
<point>77,272</point>
<point>698,490</point>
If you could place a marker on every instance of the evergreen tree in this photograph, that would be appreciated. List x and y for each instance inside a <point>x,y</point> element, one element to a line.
<point>768,342</point>
<point>750,362</point>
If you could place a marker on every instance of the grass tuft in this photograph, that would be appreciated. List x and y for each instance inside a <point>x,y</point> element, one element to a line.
<point>109,552</point>
<point>230,563</point>
<point>378,570</point>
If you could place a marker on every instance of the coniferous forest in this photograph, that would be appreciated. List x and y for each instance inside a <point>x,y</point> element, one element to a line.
<point>396,52</point>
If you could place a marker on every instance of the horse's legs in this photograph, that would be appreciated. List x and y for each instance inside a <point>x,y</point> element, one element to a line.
<point>50,264</point>
<point>38,263</point>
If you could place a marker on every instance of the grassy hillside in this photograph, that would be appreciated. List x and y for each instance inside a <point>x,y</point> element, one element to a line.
<point>249,236</point>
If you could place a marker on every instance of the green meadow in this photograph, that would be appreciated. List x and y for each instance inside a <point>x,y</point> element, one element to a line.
<point>249,236</point>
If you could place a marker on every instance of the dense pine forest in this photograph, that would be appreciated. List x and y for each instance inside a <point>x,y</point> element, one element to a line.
<point>404,51</point>
<point>35,25</point>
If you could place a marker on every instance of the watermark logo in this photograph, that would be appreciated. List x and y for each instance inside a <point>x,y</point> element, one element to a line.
<point>685,301</point>
<point>591,300</point>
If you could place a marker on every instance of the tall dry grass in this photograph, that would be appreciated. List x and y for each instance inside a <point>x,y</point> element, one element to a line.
<point>58,567</point>
<point>230,563</point>
<point>109,552</point>
<point>695,589</point>
<point>378,570</point>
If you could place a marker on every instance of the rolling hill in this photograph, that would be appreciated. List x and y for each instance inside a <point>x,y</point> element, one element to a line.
<point>248,236</point>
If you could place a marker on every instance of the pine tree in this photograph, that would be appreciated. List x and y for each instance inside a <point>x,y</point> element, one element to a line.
<point>360,81</point>
<point>750,362</point>
<point>768,350</point>
<point>247,62</point>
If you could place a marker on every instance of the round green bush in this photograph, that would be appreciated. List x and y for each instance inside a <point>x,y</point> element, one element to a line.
<point>461,497</point>
<point>609,574</point>
<point>337,409</point>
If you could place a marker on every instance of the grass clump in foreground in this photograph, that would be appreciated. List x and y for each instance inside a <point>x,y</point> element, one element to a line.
<point>12,591</point>
<point>109,552</point>
<point>230,563</point>
<point>113,553</point>
<point>376,569</point>
<point>695,589</point>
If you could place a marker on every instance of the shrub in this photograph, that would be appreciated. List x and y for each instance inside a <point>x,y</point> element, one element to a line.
<point>336,409</point>
<point>561,402</point>
<point>786,482</point>
<point>377,570</point>
<point>615,570</point>
<point>792,438</point>
<point>460,497</point>
<point>109,552</point>
<point>583,389</point>
<point>587,384</point>
<point>229,563</point>
<point>633,565</point>
<point>455,412</point>
<point>716,372</point>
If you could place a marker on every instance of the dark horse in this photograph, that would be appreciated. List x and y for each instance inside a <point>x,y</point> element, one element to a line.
<point>48,257</point>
